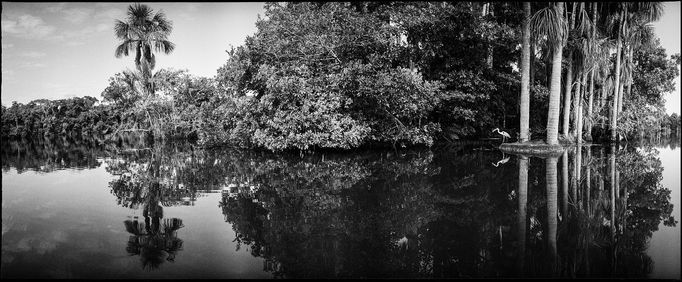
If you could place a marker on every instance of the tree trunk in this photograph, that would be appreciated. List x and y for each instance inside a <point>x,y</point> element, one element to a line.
<point>567,95</point>
<point>531,67</point>
<point>487,10</point>
<point>620,97</point>
<point>555,91</point>
<point>629,88</point>
<point>614,111</point>
<point>579,109</point>
<point>576,106</point>
<point>602,94</point>
<point>525,77</point>
<point>590,109</point>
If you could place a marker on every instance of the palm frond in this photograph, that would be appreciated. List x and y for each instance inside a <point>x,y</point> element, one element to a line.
<point>139,14</point>
<point>122,30</point>
<point>548,23</point>
<point>164,46</point>
<point>647,11</point>
<point>124,48</point>
<point>161,23</point>
<point>585,25</point>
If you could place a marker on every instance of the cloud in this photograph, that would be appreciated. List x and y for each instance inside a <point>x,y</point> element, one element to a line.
<point>55,7</point>
<point>109,15</point>
<point>32,65</point>
<point>77,15</point>
<point>26,26</point>
<point>75,43</point>
<point>32,54</point>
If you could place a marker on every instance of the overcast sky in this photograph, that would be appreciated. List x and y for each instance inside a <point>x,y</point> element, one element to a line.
<point>61,50</point>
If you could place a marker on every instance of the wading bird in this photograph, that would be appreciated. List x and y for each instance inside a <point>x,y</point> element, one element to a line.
<point>504,134</point>
<point>502,161</point>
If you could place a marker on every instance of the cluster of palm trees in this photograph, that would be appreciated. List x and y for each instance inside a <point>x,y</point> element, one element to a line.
<point>143,32</point>
<point>588,34</point>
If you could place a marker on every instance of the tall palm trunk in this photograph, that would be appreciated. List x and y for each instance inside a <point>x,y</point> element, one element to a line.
<point>590,109</point>
<point>488,10</point>
<point>567,95</point>
<point>602,94</point>
<point>551,179</point>
<point>521,220</point>
<point>576,105</point>
<point>620,94</point>
<point>555,90</point>
<point>531,67</point>
<point>614,112</point>
<point>630,79</point>
<point>525,76</point>
<point>579,109</point>
<point>569,80</point>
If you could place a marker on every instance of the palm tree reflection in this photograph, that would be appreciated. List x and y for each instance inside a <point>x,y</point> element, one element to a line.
<point>151,240</point>
<point>552,211</point>
<point>140,183</point>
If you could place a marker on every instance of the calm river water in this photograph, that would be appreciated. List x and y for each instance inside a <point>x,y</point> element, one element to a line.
<point>80,209</point>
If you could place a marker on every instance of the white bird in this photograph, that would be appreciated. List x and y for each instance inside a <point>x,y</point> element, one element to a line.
<point>504,134</point>
<point>502,161</point>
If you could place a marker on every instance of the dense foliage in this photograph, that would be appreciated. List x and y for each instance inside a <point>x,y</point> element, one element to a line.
<point>342,75</point>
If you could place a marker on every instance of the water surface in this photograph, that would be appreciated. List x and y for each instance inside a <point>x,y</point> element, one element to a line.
<point>82,209</point>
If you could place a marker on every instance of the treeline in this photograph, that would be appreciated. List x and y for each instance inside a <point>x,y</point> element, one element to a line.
<point>344,75</point>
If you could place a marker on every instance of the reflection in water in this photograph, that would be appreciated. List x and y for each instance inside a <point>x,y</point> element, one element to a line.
<point>447,213</point>
<point>146,179</point>
<point>552,212</point>
<point>465,234</point>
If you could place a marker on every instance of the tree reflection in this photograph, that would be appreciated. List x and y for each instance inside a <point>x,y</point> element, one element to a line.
<point>453,212</point>
<point>152,178</point>
<point>452,215</point>
<point>49,154</point>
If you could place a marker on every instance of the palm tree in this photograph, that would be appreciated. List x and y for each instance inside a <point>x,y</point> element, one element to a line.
<point>585,50</point>
<point>549,23</point>
<point>636,35</point>
<point>593,52</point>
<point>568,81</point>
<point>618,22</point>
<point>144,33</point>
<point>525,76</point>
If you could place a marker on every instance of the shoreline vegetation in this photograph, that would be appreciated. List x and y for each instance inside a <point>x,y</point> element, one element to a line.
<point>340,76</point>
